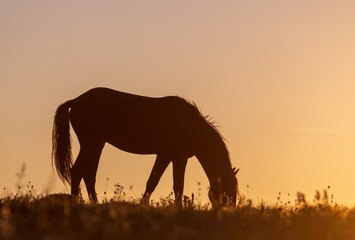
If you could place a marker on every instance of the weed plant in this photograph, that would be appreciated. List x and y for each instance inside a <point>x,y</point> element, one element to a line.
<point>27,215</point>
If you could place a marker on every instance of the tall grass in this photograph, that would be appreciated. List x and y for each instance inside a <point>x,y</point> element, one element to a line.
<point>26,215</point>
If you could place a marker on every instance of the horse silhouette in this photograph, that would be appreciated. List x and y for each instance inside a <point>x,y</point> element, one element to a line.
<point>170,127</point>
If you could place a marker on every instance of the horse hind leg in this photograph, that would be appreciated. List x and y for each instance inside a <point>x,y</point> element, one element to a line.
<point>86,167</point>
<point>161,163</point>
<point>91,169</point>
<point>76,174</point>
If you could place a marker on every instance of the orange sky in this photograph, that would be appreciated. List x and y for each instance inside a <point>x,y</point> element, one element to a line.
<point>278,77</point>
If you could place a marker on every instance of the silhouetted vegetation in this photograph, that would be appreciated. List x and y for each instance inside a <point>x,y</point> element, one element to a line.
<point>62,216</point>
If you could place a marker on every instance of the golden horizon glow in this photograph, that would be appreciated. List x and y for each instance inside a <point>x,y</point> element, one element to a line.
<point>278,77</point>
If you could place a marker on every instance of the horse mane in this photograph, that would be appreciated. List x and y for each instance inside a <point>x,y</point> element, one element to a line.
<point>209,122</point>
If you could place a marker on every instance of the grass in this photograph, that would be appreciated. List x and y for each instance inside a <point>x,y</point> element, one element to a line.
<point>61,216</point>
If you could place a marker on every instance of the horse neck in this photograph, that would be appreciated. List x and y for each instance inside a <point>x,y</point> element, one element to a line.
<point>214,158</point>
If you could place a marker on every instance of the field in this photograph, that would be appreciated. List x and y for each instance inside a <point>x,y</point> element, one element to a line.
<point>61,216</point>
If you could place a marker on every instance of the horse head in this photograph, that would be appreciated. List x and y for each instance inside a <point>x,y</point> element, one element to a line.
<point>225,191</point>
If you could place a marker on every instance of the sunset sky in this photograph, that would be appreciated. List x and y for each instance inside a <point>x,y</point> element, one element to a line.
<point>277,76</point>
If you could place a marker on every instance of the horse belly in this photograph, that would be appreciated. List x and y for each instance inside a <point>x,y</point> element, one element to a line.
<point>133,147</point>
<point>150,130</point>
<point>150,142</point>
<point>134,141</point>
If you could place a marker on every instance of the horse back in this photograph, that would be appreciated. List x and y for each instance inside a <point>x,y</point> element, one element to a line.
<point>137,124</point>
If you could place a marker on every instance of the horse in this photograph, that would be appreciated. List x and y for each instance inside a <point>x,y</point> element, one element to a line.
<point>170,127</point>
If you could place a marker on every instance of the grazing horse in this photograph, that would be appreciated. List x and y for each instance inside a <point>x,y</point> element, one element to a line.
<point>170,127</point>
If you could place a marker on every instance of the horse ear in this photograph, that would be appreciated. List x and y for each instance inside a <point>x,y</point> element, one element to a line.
<point>235,171</point>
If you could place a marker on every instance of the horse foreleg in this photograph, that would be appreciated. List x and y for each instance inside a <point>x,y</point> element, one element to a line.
<point>161,163</point>
<point>179,166</point>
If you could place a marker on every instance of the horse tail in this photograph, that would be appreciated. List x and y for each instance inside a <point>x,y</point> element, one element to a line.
<point>61,142</point>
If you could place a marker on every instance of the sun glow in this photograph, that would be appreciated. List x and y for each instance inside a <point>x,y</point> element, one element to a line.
<point>278,77</point>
